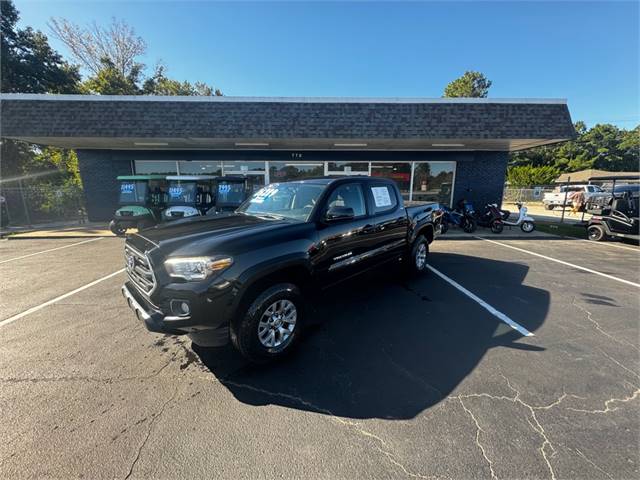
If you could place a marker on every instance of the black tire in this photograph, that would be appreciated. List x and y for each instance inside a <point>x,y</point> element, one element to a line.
<point>497,226</point>
<point>117,228</point>
<point>548,207</point>
<point>527,226</point>
<point>245,329</point>
<point>444,228</point>
<point>469,225</point>
<point>413,267</point>
<point>596,233</point>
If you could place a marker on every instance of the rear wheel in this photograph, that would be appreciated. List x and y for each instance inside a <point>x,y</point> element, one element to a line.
<point>596,233</point>
<point>271,325</point>
<point>444,227</point>
<point>497,226</point>
<point>527,226</point>
<point>416,261</point>
<point>117,228</point>
<point>548,206</point>
<point>469,225</point>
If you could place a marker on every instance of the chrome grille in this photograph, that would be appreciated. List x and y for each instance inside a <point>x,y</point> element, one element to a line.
<point>139,270</point>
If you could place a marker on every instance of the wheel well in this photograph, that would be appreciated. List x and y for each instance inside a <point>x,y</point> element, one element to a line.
<point>427,231</point>
<point>299,276</point>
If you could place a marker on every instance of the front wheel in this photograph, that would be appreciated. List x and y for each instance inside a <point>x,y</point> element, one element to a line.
<point>117,228</point>
<point>444,228</point>
<point>596,233</point>
<point>527,226</point>
<point>548,206</point>
<point>497,226</point>
<point>271,325</point>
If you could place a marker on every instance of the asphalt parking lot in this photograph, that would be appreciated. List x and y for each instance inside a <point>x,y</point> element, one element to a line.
<point>419,379</point>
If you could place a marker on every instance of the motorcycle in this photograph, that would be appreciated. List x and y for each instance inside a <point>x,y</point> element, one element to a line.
<point>525,222</point>
<point>462,219</point>
<point>490,218</point>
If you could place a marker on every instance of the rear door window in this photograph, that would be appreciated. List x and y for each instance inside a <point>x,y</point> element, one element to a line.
<point>383,198</point>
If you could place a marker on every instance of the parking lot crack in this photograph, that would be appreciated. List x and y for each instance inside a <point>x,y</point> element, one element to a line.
<point>382,446</point>
<point>149,431</point>
<point>597,467</point>
<point>597,326</point>
<point>479,430</point>
<point>608,404</point>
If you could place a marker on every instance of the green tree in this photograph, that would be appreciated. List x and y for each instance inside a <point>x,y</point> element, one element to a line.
<point>528,176</point>
<point>603,147</point>
<point>28,64</point>
<point>160,84</point>
<point>110,81</point>
<point>471,84</point>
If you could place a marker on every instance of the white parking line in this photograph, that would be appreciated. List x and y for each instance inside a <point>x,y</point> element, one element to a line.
<point>57,299</point>
<point>51,250</point>
<point>609,244</point>
<point>483,304</point>
<point>572,265</point>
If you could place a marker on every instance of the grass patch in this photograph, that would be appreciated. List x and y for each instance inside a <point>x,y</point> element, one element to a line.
<point>562,229</point>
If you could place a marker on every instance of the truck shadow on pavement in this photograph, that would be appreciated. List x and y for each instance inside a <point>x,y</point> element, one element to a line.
<point>389,348</point>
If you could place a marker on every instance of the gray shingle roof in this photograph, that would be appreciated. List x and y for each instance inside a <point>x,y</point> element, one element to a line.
<point>282,118</point>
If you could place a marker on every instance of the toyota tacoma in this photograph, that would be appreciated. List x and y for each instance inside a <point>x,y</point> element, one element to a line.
<point>247,276</point>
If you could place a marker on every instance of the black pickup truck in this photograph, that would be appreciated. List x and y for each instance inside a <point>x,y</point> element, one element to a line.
<point>246,276</point>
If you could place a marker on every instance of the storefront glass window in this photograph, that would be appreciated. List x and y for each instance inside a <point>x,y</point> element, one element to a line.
<point>152,167</point>
<point>399,172</point>
<point>235,167</point>
<point>285,171</point>
<point>348,168</point>
<point>433,181</point>
<point>188,167</point>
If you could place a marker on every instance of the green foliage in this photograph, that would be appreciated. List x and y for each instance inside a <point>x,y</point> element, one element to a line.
<point>603,147</point>
<point>471,84</point>
<point>160,84</point>
<point>528,175</point>
<point>111,81</point>
<point>28,63</point>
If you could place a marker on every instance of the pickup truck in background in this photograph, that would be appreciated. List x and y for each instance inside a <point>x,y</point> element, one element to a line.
<point>247,276</point>
<point>565,192</point>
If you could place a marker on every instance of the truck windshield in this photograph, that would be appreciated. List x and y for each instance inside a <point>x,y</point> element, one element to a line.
<point>133,192</point>
<point>294,200</point>
<point>230,193</point>
<point>181,192</point>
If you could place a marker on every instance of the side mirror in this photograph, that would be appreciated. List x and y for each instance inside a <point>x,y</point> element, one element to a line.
<point>339,213</point>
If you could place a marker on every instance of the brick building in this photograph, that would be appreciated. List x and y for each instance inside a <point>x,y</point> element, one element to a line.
<point>435,149</point>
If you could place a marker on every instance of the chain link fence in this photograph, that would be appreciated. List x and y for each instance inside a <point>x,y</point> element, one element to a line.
<point>22,204</point>
<point>532,194</point>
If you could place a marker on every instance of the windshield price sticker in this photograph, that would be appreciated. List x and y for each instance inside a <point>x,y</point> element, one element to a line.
<point>175,192</point>
<point>381,196</point>
<point>262,194</point>
<point>127,187</point>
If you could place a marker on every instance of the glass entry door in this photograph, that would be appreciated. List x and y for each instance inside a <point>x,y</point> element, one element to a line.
<point>254,171</point>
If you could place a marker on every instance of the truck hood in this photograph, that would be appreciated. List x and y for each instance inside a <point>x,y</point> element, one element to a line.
<point>171,236</point>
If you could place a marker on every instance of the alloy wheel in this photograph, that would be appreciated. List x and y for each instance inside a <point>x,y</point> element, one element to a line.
<point>277,323</point>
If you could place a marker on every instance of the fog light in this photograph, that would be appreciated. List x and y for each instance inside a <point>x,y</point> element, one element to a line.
<point>180,307</point>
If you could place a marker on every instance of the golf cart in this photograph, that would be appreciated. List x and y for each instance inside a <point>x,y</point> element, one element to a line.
<point>617,220</point>
<point>230,193</point>
<point>141,202</point>
<point>188,196</point>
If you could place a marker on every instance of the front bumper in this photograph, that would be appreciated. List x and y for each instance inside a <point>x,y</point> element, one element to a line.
<point>209,318</point>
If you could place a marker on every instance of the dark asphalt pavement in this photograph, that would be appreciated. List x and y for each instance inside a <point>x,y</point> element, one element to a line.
<point>402,379</point>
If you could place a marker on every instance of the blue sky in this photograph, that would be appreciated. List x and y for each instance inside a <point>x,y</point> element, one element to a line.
<point>587,52</point>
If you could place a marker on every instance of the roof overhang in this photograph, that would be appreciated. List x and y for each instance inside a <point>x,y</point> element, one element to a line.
<point>247,123</point>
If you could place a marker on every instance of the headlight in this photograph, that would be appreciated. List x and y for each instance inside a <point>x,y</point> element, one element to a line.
<point>196,268</point>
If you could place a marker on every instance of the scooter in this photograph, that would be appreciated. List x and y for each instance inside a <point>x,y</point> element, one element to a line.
<point>525,222</point>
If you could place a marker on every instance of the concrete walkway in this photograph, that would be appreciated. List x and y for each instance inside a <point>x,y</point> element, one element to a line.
<point>75,230</point>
